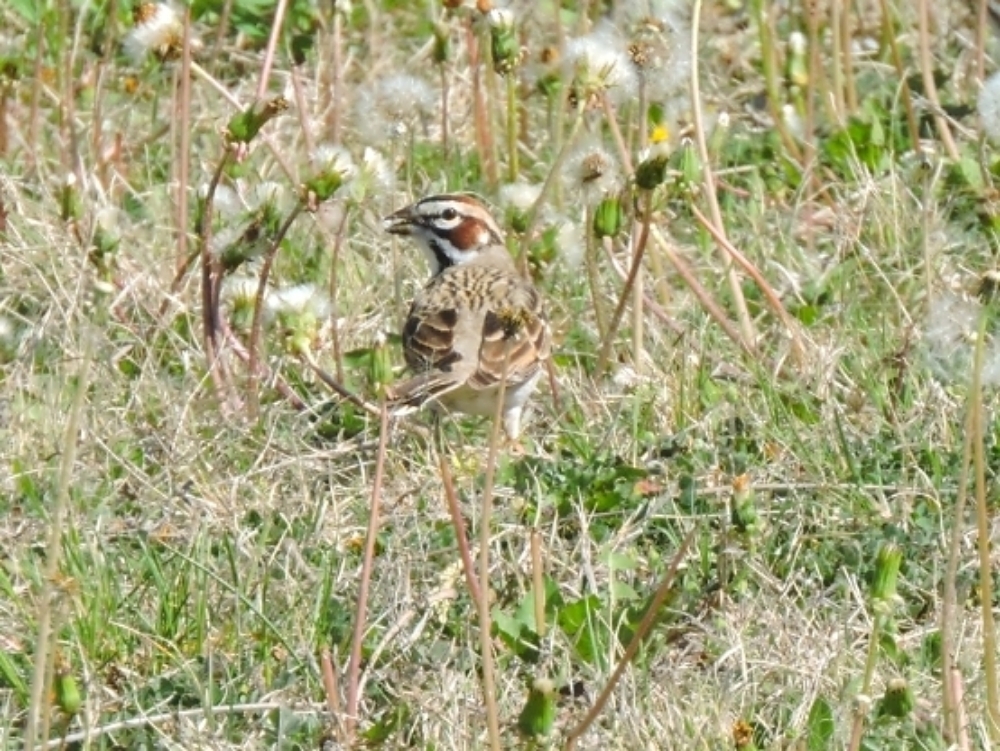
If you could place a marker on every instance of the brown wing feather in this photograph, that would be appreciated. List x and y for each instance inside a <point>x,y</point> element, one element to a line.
<point>517,335</point>
<point>429,338</point>
<point>438,329</point>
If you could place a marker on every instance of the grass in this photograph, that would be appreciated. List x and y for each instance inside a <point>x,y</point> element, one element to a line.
<point>212,547</point>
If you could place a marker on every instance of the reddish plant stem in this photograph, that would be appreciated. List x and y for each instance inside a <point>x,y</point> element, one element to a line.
<point>458,522</point>
<point>272,43</point>
<point>633,273</point>
<point>484,139</point>
<point>360,615</point>
<point>644,627</point>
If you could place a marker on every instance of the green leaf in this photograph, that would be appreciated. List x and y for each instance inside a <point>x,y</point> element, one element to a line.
<point>578,621</point>
<point>819,726</point>
<point>29,10</point>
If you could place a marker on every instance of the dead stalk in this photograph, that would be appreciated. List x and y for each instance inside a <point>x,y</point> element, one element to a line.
<point>458,523</point>
<point>639,248</point>
<point>258,311</point>
<point>485,643</point>
<point>644,627</point>
<point>742,312</point>
<point>360,615</point>
<point>37,710</point>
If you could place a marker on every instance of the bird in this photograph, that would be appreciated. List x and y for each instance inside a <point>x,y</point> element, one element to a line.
<point>477,322</point>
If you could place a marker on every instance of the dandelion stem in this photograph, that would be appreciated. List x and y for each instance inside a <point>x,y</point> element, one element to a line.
<point>710,306</point>
<point>254,347</point>
<point>43,644</point>
<point>455,512</point>
<point>768,63</point>
<point>847,60</point>
<point>983,522</point>
<point>444,111</point>
<point>272,43</point>
<point>338,73</point>
<point>889,33</point>
<point>949,602</point>
<point>512,166</point>
<point>211,282</point>
<point>538,582</point>
<point>483,137</point>
<point>638,249</point>
<point>184,144</point>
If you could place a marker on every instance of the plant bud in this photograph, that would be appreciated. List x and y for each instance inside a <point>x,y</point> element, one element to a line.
<point>609,216</point>
<point>539,712</point>
<point>690,168</point>
<point>442,43</point>
<point>744,513</point>
<point>69,199</point>
<point>503,41</point>
<point>380,365</point>
<point>897,701</point>
<point>652,170</point>
<point>887,563</point>
<point>244,126</point>
<point>797,71</point>
<point>67,692</point>
<point>322,186</point>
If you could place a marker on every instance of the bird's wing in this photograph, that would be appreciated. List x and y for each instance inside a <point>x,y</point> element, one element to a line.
<point>515,337</point>
<point>451,340</point>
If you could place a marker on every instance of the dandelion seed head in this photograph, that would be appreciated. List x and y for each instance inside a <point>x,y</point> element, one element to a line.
<point>592,172</point>
<point>668,40</point>
<point>949,340</point>
<point>331,157</point>
<point>226,201</point>
<point>599,62</point>
<point>501,19</point>
<point>374,176</point>
<point>393,106</point>
<point>270,193</point>
<point>224,238</point>
<point>520,195</point>
<point>300,298</point>
<point>626,378</point>
<point>989,107</point>
<point>570,244</point>
<point>108,219</point>
<point>239,289</point>
<point>158,31</point>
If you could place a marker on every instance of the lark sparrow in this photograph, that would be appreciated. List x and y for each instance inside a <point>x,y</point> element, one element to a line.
<point>476,319</point>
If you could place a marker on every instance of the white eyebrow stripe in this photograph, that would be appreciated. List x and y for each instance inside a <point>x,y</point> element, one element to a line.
<point>432,209</point>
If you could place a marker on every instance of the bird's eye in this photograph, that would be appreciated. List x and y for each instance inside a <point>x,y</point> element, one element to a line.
<point>449,214</point>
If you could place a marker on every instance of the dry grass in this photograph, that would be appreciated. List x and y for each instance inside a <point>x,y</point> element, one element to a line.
<point>209,557</point>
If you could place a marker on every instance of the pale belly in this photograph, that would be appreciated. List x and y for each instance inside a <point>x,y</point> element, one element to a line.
<point>484,401</point>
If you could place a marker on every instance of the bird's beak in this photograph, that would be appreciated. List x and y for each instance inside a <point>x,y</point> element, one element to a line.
<point>400,222</point>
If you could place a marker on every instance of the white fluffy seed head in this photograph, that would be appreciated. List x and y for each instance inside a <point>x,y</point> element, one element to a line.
<point>989,107</point>
<point>519,195</point>
<point>391,107</point>
<point>591,172</point>
<point>599,62</point>
<point>158,31</point>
